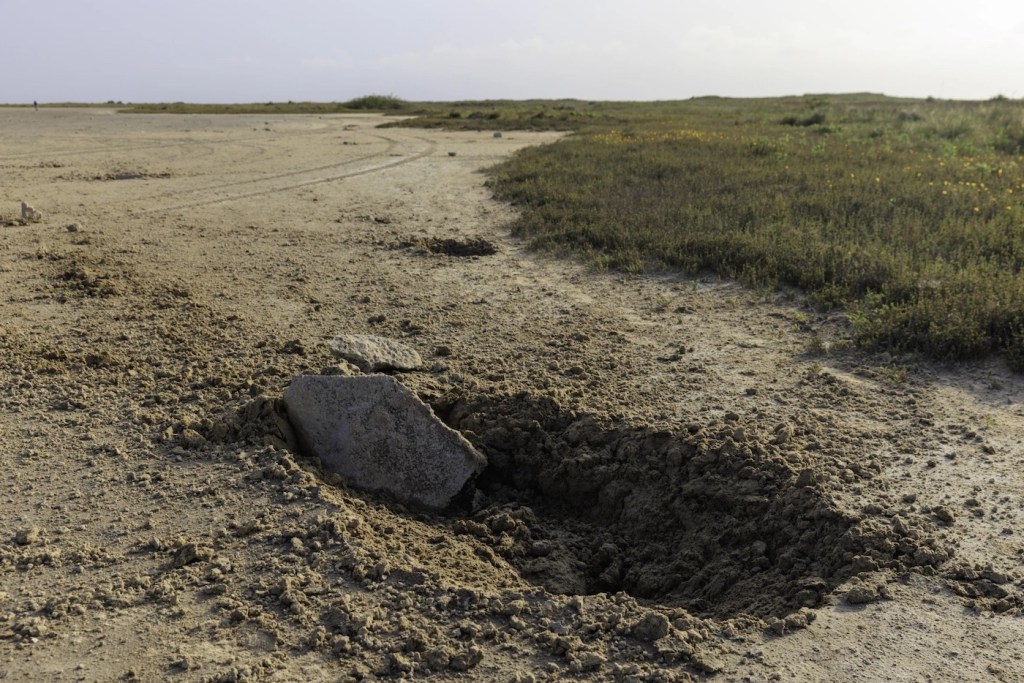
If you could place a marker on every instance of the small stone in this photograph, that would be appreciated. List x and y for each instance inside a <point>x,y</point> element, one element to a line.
<point>371,353</point>
<point>73,227</point>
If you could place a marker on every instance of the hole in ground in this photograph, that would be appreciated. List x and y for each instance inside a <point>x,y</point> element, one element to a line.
<point>706,518</point>
<point>475,246</point>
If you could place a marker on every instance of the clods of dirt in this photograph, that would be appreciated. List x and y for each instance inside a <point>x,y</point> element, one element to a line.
<point>90,281</point>
<point>472,246</point>
<point>712,518</point>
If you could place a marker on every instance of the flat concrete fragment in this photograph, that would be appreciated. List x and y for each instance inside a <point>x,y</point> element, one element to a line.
<point>375,354</point>
<point>379,436</point>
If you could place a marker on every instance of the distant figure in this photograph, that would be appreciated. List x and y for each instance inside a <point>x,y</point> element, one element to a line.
<point>35,104</point>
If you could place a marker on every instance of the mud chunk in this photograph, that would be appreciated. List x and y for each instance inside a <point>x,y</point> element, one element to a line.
<point>861,595</point>
<point>783,433</point>
<point>651,627</point>
<point>467,660</point>
<point>591,661</point>
<point>191,553</point>
<point>31,627</point>
<point>371,353</point>
<point>27,536</point>
<point>807,477</point>
<point>30,215</point>
<point>377,435</point>
<point>945,514</point>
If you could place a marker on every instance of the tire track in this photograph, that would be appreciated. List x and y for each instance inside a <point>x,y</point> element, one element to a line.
<point>393,144</point>
<point>430,149</point>
<point>40,154</point>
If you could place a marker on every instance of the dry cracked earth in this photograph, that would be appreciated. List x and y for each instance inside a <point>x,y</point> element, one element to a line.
<point>686,480</point>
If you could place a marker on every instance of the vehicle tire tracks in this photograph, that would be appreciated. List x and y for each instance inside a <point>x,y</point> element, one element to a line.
<point>431,147</point>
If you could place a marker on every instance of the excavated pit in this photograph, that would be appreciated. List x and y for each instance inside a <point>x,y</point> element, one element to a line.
<point>710,519</point>
<point>462,248</point>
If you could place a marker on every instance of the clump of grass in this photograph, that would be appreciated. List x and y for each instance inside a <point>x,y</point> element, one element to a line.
<point>376,103</point>
<point>815,119</point>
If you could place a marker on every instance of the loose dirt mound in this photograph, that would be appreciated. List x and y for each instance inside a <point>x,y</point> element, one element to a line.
<point>713,519</point>
<point>476,246</point>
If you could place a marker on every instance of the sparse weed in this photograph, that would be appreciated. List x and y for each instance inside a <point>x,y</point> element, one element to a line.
<point>662,304</point>
<point>893,375</point>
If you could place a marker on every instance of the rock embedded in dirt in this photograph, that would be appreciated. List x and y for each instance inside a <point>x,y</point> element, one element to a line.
<point>377,435</point>
<point>371,353</point>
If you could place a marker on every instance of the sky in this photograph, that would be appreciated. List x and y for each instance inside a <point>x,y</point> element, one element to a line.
<point>324,50</point>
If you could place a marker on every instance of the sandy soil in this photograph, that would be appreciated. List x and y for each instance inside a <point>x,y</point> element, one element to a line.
<point>687,480</point>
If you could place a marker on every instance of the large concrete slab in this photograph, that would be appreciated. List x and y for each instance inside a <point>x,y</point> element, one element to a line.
<point>379,436</point>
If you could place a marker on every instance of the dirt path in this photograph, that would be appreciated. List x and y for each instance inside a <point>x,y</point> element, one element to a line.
<point>684,483</point>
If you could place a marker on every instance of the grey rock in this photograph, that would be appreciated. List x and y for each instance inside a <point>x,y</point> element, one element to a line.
<point>371,353</point>
<point>379,436</point>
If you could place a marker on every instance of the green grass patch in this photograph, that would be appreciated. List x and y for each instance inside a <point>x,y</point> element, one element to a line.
<point>376,103</point>
<point>907,213</point>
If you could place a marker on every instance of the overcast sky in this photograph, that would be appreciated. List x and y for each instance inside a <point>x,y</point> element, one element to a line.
<point>330,50</point>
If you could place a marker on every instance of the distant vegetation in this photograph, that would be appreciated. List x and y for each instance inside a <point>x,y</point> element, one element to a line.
<point>566,115</point>
<point>382,103</point>
<point>907,214</point>
<point>376,103</point>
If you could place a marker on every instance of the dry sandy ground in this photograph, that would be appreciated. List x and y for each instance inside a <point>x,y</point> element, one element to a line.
<point>684,481</point>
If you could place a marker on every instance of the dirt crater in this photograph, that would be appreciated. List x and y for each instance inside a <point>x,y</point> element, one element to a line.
<point>710,518</point>
<point>713,519</point>
<point>463,248</point>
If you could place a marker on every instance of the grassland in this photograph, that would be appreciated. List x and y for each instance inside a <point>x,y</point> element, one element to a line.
<point>904,213</point>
